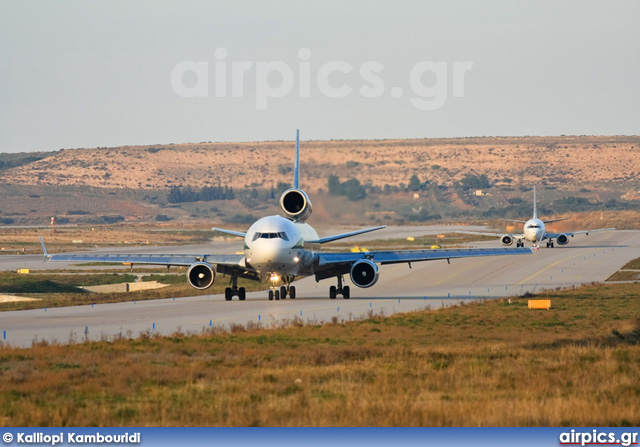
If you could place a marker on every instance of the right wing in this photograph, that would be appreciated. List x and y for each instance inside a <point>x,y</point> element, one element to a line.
<point>513,236</point>
<point>149,259</point>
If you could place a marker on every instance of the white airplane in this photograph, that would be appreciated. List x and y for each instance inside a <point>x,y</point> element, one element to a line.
<point>283,249</point>
<point>534,231</point>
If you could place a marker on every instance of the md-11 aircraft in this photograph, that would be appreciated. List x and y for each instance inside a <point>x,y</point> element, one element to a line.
<point>285,248</point>
<point>534,231</point>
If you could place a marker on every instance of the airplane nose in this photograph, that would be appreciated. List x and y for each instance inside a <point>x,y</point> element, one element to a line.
<point>266,251</point>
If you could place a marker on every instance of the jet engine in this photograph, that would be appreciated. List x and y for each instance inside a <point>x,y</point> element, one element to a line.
<point>562,239</point>
<point>506,240</point>
<point>364,273</point>
<point>201,275</point>
<point>295,204</point>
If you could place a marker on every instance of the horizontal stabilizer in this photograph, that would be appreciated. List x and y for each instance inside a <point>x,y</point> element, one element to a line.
<point>324,240</point>
<point>231,232</point>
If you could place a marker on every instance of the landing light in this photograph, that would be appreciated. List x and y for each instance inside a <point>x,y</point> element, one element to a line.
<point>296,259</point>
<point>274,277</point>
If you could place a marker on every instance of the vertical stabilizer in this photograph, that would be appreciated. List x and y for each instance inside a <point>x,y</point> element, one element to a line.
<point>296,166</point>
<point>535,204</point>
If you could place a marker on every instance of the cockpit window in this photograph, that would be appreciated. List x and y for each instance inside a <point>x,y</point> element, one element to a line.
<point>533,226</point>
<point>281,235</point>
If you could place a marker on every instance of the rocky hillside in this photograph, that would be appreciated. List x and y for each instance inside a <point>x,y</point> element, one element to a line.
<point>526,160</point>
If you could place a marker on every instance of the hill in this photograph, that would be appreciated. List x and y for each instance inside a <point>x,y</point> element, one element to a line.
<point>133,183</point>
<point>525,160</point>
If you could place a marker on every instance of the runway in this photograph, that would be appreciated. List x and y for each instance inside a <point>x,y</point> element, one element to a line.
<point>400,289</point>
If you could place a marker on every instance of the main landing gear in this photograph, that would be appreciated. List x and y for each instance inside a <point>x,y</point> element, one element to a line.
<point>549,244</point>
<point>335,291</point>
<point>519,244</point>
<point>232,291</point>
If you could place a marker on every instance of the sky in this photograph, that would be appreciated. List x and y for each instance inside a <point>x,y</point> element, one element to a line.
<point>110,73</point>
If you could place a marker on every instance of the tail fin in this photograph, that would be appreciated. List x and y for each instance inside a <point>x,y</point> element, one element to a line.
<point>535,204</point>
<point>296,166</point>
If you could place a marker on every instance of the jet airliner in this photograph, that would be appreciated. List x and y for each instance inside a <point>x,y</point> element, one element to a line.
<point>534,231</point>
<point>284,248</point>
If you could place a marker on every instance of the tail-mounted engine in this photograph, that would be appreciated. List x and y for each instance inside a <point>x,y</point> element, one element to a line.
<point>201,275</point>
<point>364,273</point>
<point>295,204</point>
<point>506,240</point>
<point>562,239</point>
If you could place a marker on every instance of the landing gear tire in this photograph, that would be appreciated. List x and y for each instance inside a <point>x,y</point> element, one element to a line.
<point>283,292</point>
<point>242,293</point>
<point>270,295</point>
<point>228,294</point>
<point>332,292</point>
<point>346,292</point>
<point>277,295</point>
<point>292,292</point>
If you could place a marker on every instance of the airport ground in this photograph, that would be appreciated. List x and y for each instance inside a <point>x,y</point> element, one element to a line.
<point>304,363</point>
<point>400,289</point>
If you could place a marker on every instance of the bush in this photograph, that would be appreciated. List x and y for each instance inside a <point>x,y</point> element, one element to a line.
<point>414,183</point>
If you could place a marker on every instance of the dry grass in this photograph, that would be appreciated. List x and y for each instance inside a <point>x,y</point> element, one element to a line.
<point>494,363</point>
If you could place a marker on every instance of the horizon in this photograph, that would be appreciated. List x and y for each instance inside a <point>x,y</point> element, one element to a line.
<point>325,140</point>
<point>252,71</point>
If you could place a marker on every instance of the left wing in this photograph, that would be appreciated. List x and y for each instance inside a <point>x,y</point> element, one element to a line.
<point>400,256</point>
<point>573,233</point>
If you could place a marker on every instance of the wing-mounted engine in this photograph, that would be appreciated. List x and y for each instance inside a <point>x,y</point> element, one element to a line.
<point>506,240</point>
<point>364,273</point>
<point>296,204</point>
<point>201,275</point>
<point>562,239</point>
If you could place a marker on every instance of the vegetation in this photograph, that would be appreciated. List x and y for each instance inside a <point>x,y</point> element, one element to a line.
<point>37,283</point>
<point>64,290</point>
<point>351,188</point>
<point>471,181</point>
<point>414,183</point>
<point>208,193</point>
<point>483,364</point>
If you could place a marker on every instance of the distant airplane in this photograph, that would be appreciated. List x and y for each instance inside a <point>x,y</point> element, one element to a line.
<point>535,231</point>
<point>283,249</point>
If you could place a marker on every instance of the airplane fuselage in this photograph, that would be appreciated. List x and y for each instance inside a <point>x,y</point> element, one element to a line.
<point>534,231</point>
<point>274,245</point>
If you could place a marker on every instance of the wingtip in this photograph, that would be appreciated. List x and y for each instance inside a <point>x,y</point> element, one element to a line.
<point>44,249</point>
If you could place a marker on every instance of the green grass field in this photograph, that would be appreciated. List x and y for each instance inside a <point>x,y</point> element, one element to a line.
<point>53,290</point>
<point>483,364</point>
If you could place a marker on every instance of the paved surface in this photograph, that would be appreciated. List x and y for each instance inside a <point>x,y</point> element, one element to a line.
<point>428,284</point>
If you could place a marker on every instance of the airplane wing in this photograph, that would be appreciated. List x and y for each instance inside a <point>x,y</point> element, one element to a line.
<point>513,236</point>
<point>331,261</point>
<point>149,259</point>
<point>573,233</point>
<point>324,240</point>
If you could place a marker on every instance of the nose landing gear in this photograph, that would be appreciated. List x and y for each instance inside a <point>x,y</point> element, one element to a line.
<point>281,292</point>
